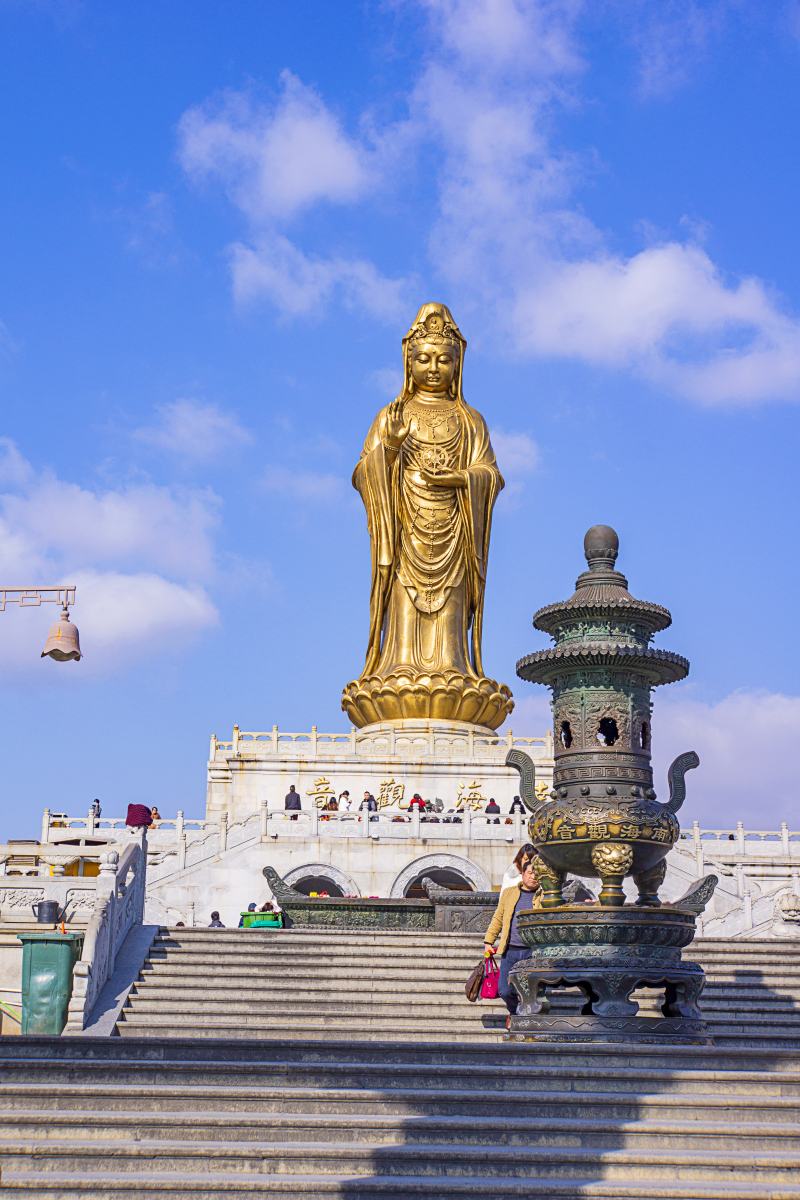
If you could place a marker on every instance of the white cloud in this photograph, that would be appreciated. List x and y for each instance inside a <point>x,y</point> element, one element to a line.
<point>194,430</point>
<point>503,226</point>
<point>296,283</point>
<point>139,556</point>
<point>747,743</point>
<point>303,485</point>
<point>121,614</point>
<point>274,160</point>
<point>671,38</point>
<point>517,453</point>
<point>388,380</point>
<point>647,311</point>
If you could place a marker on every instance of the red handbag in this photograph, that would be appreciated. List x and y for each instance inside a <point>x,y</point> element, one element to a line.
<point>491,979</point>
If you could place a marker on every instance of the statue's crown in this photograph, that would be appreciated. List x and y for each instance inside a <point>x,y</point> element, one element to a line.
<point>435,329</point>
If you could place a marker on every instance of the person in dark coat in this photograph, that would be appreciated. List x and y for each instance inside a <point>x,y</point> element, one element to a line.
<point>370,804</point>
<point>492,810</point>
<point>292,802</point>
<point>215,921</point>
<point>516,806</point>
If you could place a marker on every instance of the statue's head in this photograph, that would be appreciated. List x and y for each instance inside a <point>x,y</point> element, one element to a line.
<point>433,353</point>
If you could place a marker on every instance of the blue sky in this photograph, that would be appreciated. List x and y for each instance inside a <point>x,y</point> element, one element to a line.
<point>216,223</point>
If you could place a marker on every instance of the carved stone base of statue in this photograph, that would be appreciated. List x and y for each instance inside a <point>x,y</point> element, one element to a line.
<point>411,695</point>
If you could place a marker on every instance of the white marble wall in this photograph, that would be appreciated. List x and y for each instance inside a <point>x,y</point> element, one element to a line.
<point>444,760</point>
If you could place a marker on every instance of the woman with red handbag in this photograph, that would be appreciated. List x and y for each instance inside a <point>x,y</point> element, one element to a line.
<point>523,897</point>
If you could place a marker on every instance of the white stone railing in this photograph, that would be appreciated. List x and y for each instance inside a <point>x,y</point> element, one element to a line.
<point>311,823</point>
<point>756,842</point>
<point>391,741</point>
<point>90,824</point>
<point>118,906</point>
<point>74,894</point>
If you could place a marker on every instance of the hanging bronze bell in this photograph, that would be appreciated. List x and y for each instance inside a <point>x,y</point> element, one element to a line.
<point>62,641</point>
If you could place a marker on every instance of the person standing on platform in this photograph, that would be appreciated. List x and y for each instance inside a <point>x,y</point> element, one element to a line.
<point>492,810</point>
<point>291,803</point>
<point>516,806</point>
<point>521,898</point>
<point>344,802</point>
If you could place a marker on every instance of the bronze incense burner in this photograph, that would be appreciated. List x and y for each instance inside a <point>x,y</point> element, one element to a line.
<point>603,818</point>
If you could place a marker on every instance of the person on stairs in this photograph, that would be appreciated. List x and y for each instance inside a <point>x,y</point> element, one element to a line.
<point>520,898</point>
<point>513,875</point>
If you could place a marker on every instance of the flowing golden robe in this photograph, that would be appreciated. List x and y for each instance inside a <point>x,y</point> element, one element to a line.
<point>429,544</point>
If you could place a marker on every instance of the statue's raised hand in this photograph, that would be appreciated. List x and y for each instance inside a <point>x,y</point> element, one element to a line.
<point>397,428</point>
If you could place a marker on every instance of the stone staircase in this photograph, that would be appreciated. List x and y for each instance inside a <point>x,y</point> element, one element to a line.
<point>409,987</point>
<point>349,1065</point>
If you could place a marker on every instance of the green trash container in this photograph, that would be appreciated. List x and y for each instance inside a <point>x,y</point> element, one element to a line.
<point>47,962</point>
<point>257,920</point>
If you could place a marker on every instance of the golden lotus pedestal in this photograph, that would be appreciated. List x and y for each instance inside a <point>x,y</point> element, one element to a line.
<point>448,696</point>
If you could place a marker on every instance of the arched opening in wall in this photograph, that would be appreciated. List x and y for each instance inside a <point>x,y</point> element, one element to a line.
<point>645,736</point>
<point>317,883</point>
<point>607,732</point>
<point>566,735</point>
<point>453,880</point>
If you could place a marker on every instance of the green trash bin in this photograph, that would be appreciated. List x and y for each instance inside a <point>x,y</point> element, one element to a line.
<point>257,920</point>
<point>47,962</point>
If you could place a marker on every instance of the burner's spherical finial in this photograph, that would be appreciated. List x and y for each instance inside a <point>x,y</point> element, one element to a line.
<point>601,546</point>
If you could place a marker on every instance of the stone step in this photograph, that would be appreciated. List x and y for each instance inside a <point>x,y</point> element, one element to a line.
<point>591,1131</point>
<point>246,1185</point>
<point>385,1005</point>
<point>246,958</point>
<point>430,974</point>
<point>38,1104</point>
<point>433,1160</point>
<point>373,1030</point>
<point>268,989</point>
<point>433,1056</point>
<point>573,1083</point>
<point>294,1004</point>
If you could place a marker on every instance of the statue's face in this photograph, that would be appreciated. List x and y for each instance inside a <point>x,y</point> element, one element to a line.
<point>433,368</point>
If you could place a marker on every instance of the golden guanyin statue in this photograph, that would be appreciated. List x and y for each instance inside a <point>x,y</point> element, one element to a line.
<point>429,480</point>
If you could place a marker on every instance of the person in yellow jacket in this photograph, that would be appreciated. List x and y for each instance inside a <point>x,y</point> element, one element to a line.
<point>522,897</point>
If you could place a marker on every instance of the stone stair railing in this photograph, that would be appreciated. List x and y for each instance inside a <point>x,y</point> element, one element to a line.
<point>119,905</point>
